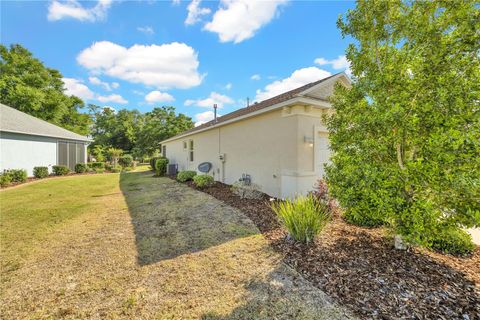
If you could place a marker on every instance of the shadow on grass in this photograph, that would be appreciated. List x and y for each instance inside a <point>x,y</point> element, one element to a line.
<point>170,219</point>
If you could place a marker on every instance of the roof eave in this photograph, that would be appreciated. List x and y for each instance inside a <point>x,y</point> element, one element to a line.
<point>47,135</point>
<point>296,100</point>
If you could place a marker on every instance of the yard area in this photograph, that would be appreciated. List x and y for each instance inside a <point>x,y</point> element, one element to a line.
<point>129,245</point>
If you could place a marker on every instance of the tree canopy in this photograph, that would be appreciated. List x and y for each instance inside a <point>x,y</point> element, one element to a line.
<point>27,85</point>
<point>406,135</point>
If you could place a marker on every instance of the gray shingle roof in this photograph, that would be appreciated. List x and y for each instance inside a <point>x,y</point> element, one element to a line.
<point>12,120</point>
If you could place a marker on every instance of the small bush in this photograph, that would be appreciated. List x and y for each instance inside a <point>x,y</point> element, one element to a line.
<point>204,180</point>
<point>113,169</point>
<point>304,217</point>
<point>99,170</point>
<point>5,179</point>
<point>98,165</point>
<point>453,241</point>
<point>40,172</point>
<point>187,175</point>
<point>18,175</point>
<point>81,168</point>
<point>60,170</point>
<point>153,160</point>
<point>161,167</point>
<point>125,161</point>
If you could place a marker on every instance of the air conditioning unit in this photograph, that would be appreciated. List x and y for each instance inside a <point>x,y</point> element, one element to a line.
<point>172,169</point>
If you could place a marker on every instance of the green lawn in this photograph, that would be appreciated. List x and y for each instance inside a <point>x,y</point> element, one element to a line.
<point>131,245</point>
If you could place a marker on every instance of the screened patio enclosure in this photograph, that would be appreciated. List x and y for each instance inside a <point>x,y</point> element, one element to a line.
<point>70,153</point>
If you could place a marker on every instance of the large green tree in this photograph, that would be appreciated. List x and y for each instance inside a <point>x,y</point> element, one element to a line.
<point>406,135</point>
<point>27,85</point>
<point>160,124</point>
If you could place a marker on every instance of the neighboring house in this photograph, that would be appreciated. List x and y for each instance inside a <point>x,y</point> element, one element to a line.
<point>27,142</point>
<point>282,142</point>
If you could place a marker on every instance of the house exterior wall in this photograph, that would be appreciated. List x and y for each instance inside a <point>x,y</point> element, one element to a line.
<point>20,151</point>
<point>270,147</point>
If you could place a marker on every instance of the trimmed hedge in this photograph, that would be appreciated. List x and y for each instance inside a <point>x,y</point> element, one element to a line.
<point>60,170</point>
<point>5,180</point>
<point>203,181</point>
<point>184,176</point>
<point>40,172</point>
<point>125,161</point>
<point>153,160</point>
<point>18,175</point>
<point>161,167</point>
<point>81,168</point>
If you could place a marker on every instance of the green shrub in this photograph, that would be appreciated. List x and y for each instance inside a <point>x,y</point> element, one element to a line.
<point>111,168</point>
<point>184,176</point>
<point>81,168</point>
<point>304,217</point>
<point>5,179</point>
<point>161,167</point>
<point>60,170</point>
<point>40,172</point>
<point>127,169</point>
<point>98,165</point>
<point>125,161</point>
<point>204,180</point>
<point>453,241</point>
<point>363,220</point>
<point>99,170</point>
<point>153,160</point>
<point>18,175</point>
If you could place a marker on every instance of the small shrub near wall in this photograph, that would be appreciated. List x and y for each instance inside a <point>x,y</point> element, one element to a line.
<point>40,172</point>
<point>5,179</point>
<point>18,175</point>
<point>60,170</point>
<point>303,217</point>
<point>203,181</point>
<point>125,161</point>
<point>153,161</point>
<point>81,168</point>
<point>99,170</point>
<point>184,176</point>
<point>98,165</point>
<point>161,167</point>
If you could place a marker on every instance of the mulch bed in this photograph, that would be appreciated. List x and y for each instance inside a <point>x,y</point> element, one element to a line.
<point>360,268</point>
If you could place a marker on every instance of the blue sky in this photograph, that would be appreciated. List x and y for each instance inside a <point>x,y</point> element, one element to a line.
<point>189,54</point>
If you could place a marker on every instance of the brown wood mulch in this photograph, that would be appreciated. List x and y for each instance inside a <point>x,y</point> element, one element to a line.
<point>360,268</point>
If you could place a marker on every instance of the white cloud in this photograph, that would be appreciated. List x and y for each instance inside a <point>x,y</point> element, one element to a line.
<point>340,63</point>
<point>58,10</point>
<point>172,65</point>
<point>203,117</point>
<point>107,86</point>
<point>228,86</point>
<point>238,20</point>
<point>112,98</point>
<point>214,98</point>
<point>195,12</point>
<point>76,87</point>
<point>157,96</point>
<point>297,79</point>
<point>176,2</point>
<point>146,30</point>
<point>255,77</point>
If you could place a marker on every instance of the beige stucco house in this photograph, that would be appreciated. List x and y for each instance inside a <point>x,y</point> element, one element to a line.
<point>282,142</point>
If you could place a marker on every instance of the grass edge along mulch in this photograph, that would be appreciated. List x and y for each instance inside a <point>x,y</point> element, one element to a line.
<point>360,269</point>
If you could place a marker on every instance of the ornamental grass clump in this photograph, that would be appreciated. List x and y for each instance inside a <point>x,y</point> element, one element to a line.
<point>304,217</point>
